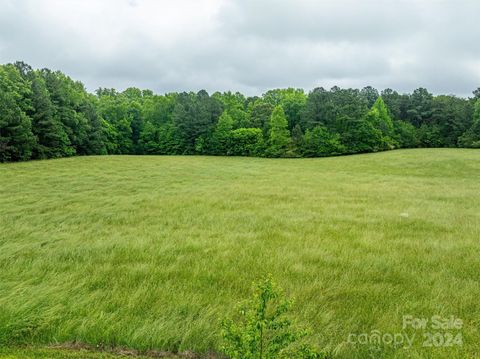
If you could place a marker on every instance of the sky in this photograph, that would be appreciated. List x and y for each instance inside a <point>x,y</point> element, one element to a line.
<point>249,45</point>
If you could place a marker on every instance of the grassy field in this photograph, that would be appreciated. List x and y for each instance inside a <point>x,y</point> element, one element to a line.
<point>152,252</point>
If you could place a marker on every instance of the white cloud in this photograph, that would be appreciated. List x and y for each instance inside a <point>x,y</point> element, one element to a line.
<point>248,45</point>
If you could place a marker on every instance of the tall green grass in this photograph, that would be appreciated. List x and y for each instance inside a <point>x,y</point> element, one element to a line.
<point>152,252</point>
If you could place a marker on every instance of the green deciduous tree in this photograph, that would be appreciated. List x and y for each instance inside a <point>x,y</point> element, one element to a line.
<point>114,109</point>
<point>278,135</point>
<point>383,120</point>
<point>246,142</point>
<point>320,142</point>
<point>471,137</point>
<point>292,101</point>
<point>16,138</point>
<point>430,136</point>
<point>235,105</point>
<point>221,138</point>
<point>405,134</point>
<point>359,135</point>
<point>46,114</point>
<point>380,119</point>
<point>159,140</point>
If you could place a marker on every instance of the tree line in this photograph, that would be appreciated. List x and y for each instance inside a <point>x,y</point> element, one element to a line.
<point>46,114</point>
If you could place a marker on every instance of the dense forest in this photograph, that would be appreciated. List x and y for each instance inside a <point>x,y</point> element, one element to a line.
<point>46,114</point>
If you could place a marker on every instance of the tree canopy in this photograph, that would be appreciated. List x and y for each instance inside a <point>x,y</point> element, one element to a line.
<point>46,114</point>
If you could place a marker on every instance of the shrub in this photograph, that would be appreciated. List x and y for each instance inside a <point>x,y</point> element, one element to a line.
<point>262,331</point>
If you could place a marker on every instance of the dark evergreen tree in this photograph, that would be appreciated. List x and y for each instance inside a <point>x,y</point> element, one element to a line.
<point>370,95</point>
<point>452,116</point>
<point>319,110</point>
<point>259,113</point>
<point>420,105</point>
<point>94,140</point>
<point>194,116</point>
<point>16,137</point>
<point>52,140</point>
<point>393,101</point>
<point>297,139</point>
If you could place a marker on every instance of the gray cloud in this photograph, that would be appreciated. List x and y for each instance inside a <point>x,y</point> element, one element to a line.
<point>249,45</point>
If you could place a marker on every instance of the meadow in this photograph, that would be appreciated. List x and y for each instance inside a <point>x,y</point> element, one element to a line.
<point>151,252</point>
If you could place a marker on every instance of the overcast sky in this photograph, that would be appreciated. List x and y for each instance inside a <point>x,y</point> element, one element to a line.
<point>249,45</point>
